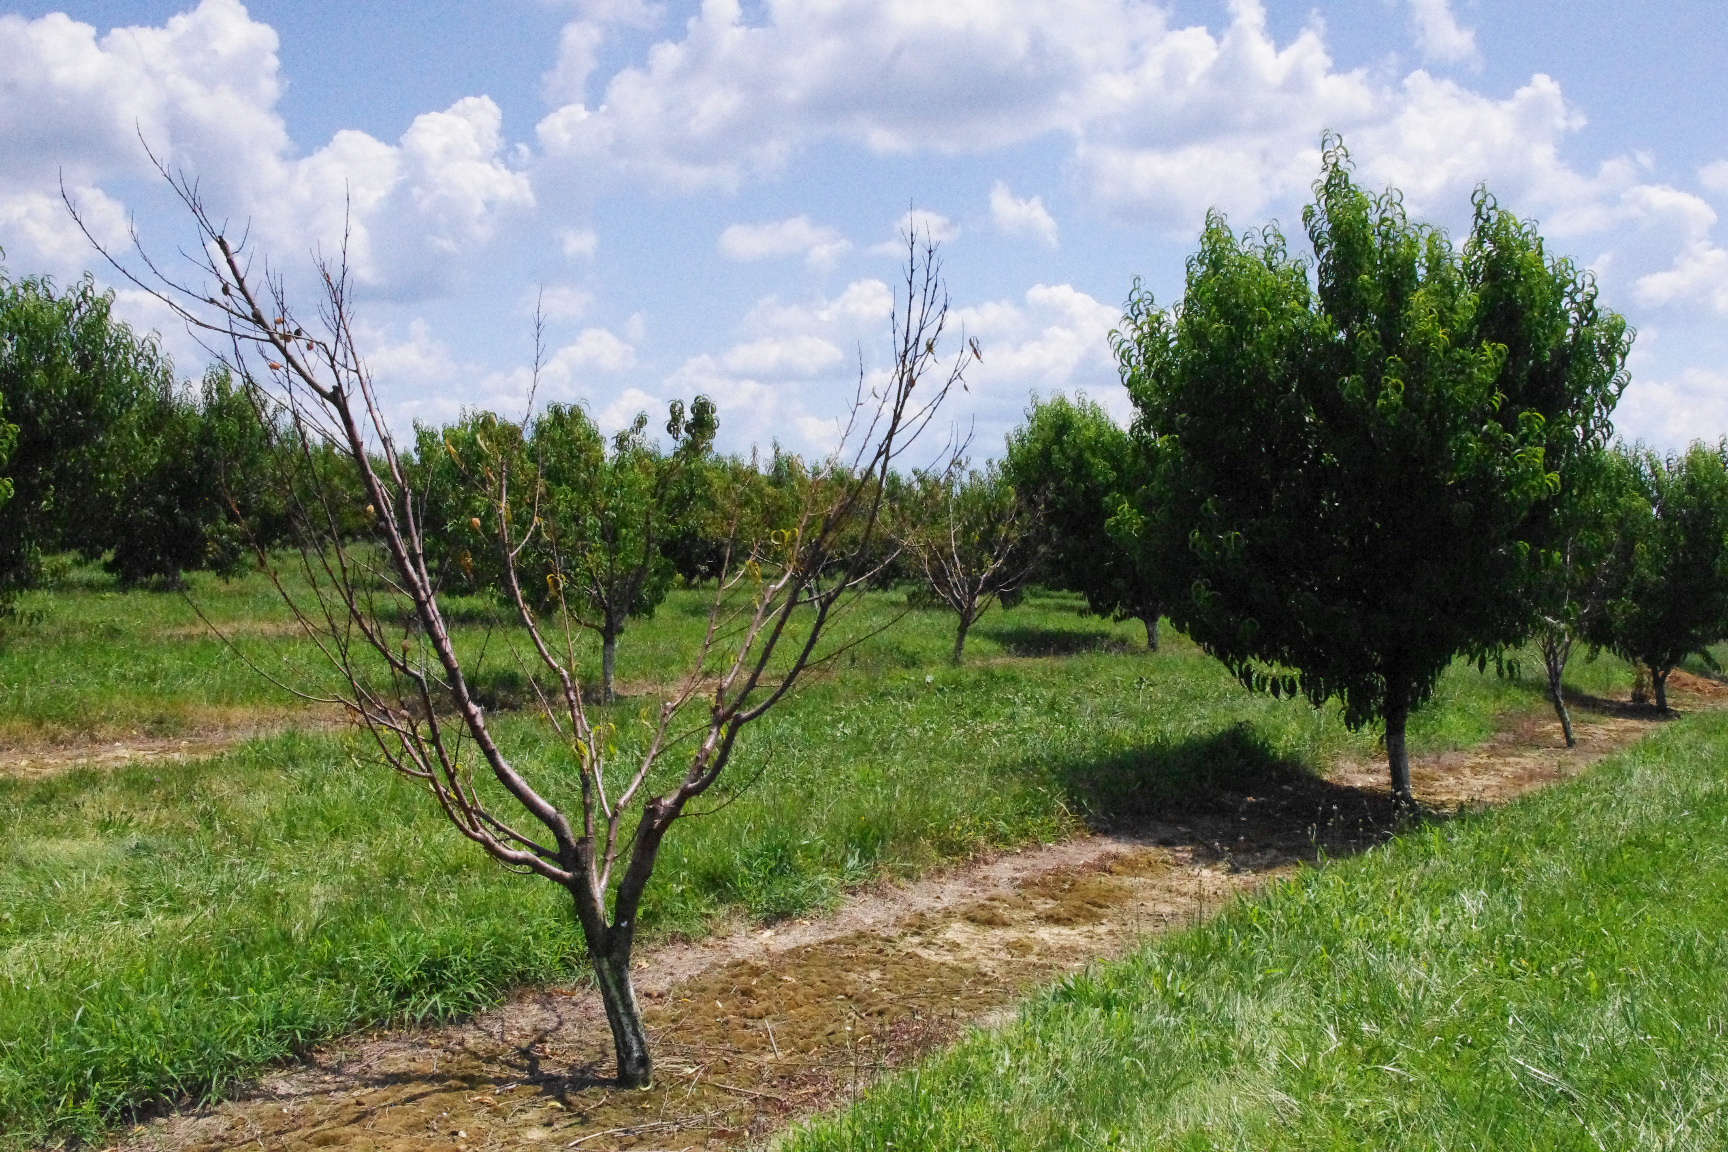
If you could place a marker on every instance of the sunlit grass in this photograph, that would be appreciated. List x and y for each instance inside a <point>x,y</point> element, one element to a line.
<point>1551,975</point>
<point>167,929</point>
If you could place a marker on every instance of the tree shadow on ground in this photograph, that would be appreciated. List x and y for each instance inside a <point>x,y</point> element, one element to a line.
<point>1231,798</point>
<point>1029,640</point>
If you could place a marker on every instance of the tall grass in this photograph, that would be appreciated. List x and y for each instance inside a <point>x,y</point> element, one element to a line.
<point>168,929</point>
<point>1551,975</point>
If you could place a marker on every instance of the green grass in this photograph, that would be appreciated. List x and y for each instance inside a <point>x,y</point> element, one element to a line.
<point>168,929</point>
<point>1551,975</point>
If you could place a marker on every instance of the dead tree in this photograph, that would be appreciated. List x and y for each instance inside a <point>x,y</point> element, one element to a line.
<point>972,534</point>
<point>371,604</point>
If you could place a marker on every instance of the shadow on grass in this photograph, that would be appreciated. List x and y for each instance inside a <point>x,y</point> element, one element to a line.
<point>1025,640</point>
<point>1230,797</point>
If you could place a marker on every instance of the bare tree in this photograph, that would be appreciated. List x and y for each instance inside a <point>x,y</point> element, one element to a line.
<point>371,605</point>
<point>972,534</point>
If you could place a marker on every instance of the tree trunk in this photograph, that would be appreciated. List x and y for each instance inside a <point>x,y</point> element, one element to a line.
<point>960,637</point>
<point>608,655</point>
<point>1554,652</point>
<point>1397,755</point>
<point>629,1038</point>
<point>1560,709</point>
<point>1151,632</point>
<point>1659,681</point>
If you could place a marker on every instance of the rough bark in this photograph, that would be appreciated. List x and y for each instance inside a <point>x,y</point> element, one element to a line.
<point>1151,623</point>
<point>1397,754</point>
<point>608,658</point>
<point>960,638</point>
<point>618,993</point>
<point>1659,681</point>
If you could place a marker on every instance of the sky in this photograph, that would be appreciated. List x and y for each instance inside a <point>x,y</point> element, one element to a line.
<point>707,198</point>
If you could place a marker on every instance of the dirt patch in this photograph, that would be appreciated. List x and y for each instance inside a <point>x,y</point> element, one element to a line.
<point>756,1027</point>
<point>34,758</point>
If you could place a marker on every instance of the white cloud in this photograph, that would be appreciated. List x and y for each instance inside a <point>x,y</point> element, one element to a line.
<point>802,355</point>
<point>202,91</point>
<point>1057,339</point>
<point>624,408</point>
<point>797,236</point>
<point>41,236</point>
<point>577,243</point>
<point>917,225</point>
<point>1017,217</point>
<point>1698,278</point>
<point>1675,411</point>
<point>1439,35</point>
<point>736,95</point>
<point>859,303</point>
<point>595,349</point>
<point>563,302</point>
<point>1714,176</point>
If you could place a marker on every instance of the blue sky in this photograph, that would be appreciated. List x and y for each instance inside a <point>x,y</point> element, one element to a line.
<point>706,196</point>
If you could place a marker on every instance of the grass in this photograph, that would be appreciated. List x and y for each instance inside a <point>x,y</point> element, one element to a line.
<point>1550,975</point>
<point>168,929</point>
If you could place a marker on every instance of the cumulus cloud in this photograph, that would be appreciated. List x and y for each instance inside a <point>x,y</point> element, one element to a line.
<point>1675,410</point>
<point>797,236</point>
<point>1698,277</point>
<point>799,355</point>
<point>1439,36</point>
<point>1017,217</point>
<point>736,95</point>
<point>788,377</point>
<point>1714,176</point>
<point>1056,338</point>
<point>201,90</point>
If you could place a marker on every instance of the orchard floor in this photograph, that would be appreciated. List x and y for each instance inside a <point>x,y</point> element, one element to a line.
<point>755,1028</point>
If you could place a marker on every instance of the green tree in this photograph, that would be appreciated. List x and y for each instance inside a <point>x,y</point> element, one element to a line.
<point>71,374</point>
<point>1573,580</point>
<point>1079,466</point>
<point>607,510</point>
<point>193,485</point>
<point>8,439</point>
<point>1351,471</point>
<point>1672,562</point>
<point>972,535</point>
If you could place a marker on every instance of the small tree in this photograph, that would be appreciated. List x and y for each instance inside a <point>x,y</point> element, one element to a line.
<point>1573,581</point>
<point>409,686</point>
<point>1671,558</point>
<point>606,514</point>
<point>1080,467</point>
<point>1351,470</point>
<point>972,535</point>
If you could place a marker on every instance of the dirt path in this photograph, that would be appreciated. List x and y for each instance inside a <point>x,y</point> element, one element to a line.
<point>35,758</point>
<point>755,1028</point>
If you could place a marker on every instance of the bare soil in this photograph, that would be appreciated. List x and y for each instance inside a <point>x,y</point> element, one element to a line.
<point>755,1027</point>
<point>38,754</point>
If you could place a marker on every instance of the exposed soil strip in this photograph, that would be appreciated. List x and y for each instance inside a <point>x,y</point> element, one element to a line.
<point>36,758</point>
<point>757,1027</point>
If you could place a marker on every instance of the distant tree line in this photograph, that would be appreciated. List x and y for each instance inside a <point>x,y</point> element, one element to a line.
<point>1342,474</point>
